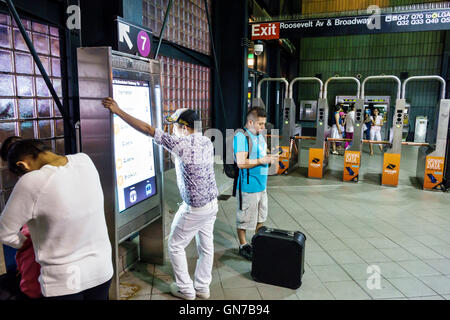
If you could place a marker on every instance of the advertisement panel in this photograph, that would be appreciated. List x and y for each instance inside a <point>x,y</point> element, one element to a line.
<point>352,160</point>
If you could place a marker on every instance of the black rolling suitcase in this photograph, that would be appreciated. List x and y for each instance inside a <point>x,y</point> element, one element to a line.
<point>278,257</point>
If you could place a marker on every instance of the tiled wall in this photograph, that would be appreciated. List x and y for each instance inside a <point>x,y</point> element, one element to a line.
<point>26,106</point>
<point>418,53</point>
<point>187,24</point>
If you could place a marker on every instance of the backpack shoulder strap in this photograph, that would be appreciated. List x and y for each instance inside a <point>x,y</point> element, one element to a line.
<point>248,157</point>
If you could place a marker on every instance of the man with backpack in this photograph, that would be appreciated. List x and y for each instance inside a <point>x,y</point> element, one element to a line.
<point>250,151</point>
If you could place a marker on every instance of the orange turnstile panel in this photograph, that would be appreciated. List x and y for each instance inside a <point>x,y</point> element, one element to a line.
<point>352,160</point>
<point>391,169</point>
<point>434,172</point>
<point>315,166</point>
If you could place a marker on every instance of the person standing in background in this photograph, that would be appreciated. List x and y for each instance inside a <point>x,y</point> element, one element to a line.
<point>349,125</point>
<point>375,130</point>
<point>336,130</point>
<point>368,120</point>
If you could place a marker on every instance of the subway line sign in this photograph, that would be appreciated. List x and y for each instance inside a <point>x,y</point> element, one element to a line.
<point>365,24</point>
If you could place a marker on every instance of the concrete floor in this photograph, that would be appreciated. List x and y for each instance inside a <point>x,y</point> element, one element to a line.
<point>403,231</point>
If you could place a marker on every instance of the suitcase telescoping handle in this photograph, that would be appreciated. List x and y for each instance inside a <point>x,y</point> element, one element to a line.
<point>282,232</point>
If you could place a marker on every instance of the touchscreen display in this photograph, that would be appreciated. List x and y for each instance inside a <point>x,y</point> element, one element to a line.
<point>133,151</point>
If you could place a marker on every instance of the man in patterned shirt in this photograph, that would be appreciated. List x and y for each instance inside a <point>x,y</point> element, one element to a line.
<point>194,165</point>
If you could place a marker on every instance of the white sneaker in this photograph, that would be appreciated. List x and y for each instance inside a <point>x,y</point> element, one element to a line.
<point>202,295</point>
<point>177,293</point>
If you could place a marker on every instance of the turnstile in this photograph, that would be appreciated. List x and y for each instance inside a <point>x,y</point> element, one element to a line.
<point>290,126</point>
<point>352,157</point>
<point>392,156</point>
<point>280,146</point>
<point>431,158</point>
<point>129,164</point>
<point>318,158</point>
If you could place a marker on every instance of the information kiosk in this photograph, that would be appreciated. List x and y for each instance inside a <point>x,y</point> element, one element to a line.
<point>129,164</point>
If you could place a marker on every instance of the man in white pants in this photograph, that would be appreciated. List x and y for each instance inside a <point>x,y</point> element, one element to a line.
<point>194,165</point>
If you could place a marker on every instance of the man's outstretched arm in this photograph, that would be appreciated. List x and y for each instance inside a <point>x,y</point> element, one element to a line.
<point>137,124</point>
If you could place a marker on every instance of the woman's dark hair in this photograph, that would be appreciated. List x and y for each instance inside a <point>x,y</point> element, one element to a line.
<point>6,145</point>
<point>15,149</point>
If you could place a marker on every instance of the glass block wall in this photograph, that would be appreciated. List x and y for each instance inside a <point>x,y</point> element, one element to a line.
<point>26,106</point>
<point>185,85</point>
<point>187,24</point>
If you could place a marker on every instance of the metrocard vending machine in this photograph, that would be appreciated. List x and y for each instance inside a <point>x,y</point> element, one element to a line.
<point>129,163</point>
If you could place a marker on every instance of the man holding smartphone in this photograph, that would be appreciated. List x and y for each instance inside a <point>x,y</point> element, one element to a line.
<point>250,150</point>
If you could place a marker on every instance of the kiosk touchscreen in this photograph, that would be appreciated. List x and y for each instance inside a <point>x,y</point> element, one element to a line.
<point>133,151</point>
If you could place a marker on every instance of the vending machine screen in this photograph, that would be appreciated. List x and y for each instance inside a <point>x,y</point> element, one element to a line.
<point>133,151</point>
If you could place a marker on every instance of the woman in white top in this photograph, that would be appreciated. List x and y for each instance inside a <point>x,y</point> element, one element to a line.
<point>349,125</point>
<point>336,129</point>
<point>375,129</point>
<point>60,198</point>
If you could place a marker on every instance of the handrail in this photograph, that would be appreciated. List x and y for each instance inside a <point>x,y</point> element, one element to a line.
<point>342,78</point>
<point>424,78</point>
<point>382,77</point>
<point>291,85</point>
<point>258,92</point>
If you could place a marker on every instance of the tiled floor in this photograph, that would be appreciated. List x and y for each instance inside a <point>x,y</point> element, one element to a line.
<point>403,232</point>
